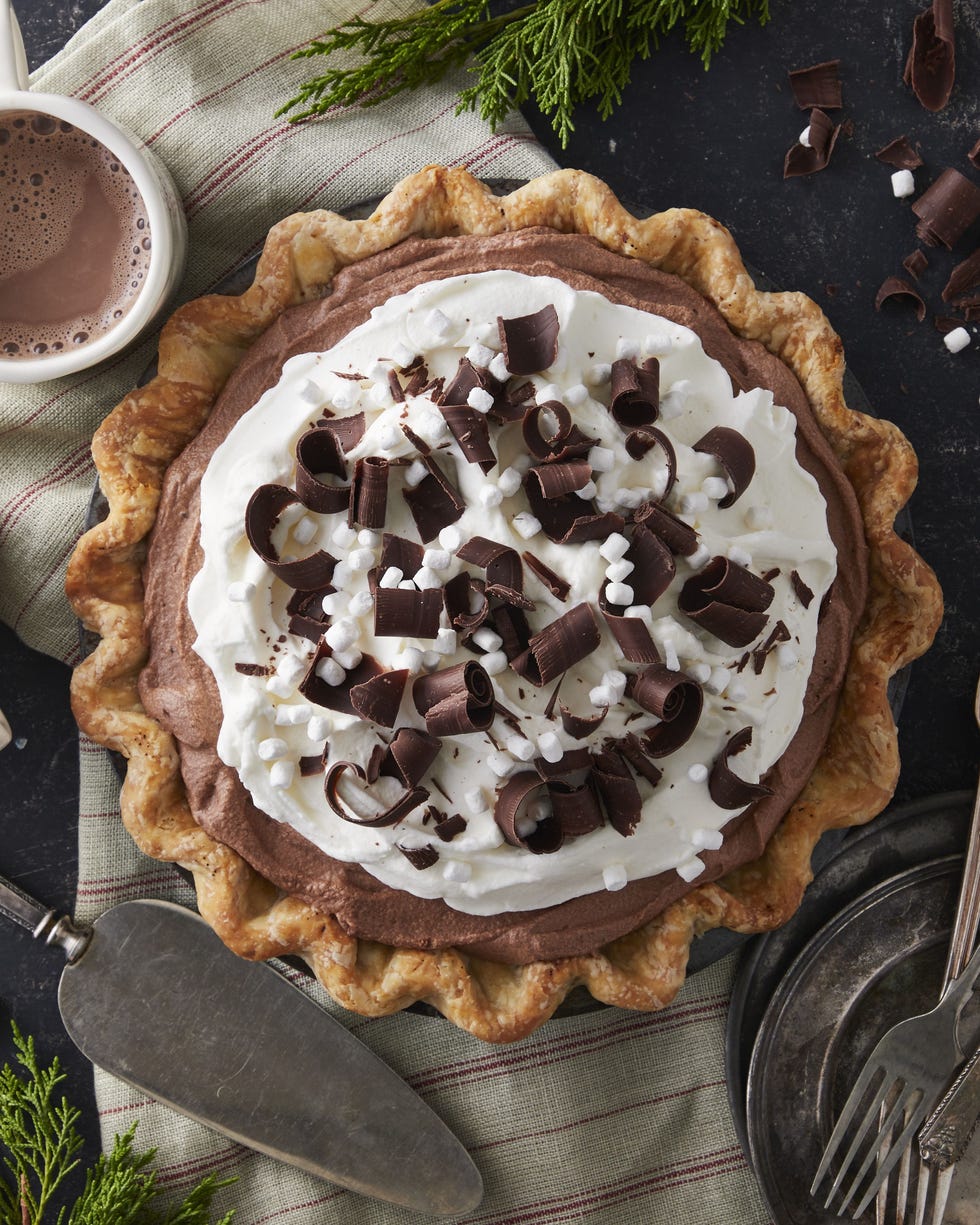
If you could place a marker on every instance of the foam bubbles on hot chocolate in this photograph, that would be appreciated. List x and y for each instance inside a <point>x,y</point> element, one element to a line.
<point>77,244</point>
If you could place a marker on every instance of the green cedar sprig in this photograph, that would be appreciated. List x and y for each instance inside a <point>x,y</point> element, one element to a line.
<point>559,53</point>
<point>39,1143</point>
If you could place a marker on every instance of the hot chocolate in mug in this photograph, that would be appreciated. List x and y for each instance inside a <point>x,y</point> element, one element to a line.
<point>94,237</point>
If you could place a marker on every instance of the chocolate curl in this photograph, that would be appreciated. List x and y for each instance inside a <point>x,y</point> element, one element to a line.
<point>435,502</point>
<point>466,379</point>
<point>931,65</point>
<point>635,398</point>
<point>964,276</point>
<point>736,456</point>
<point>575,808</point>
<point>728,601</point>
<point>347,430</point>
<point>566,442</point>
<point>916,263</point>
<point>390,816</point>
<point>570,761</point>
<point>559,646</point>
<point>261,516</point>
<point>546,838</point>
<point>369,492</point>
<point>818,85</point>
<point>319,451</point>
<point>900,154</point>
<point>580,726</point>
<point>400,613</point>
<point>336,697</point>
<point>654,567</point>
<point>896,287</point>
<point>558,586</point>
<point>725,787</point>
<point>556,480</point>
<point>472,433</point>
<point>508,404</point>
<point>618,791</point>
<point>306,616</point>
<point>409,755</point>
<point>675,699</point>
<point>947,209</point>
<point>379,698</point>
<point>643,440</point>
<point>569,519</point>
<point>973,155</point>
<point>456,594</point>
<point>505,574</point>
<point>801,159</point>
<point>511,624</point>
<point>634,752</point>
<point>404,555</point>
<point>677,535</point>
<point>632,636</point>
<point>530,342</point>
<point>455,701</point>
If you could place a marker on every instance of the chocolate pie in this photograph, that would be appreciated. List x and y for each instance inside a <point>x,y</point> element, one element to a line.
<point>496,596</point>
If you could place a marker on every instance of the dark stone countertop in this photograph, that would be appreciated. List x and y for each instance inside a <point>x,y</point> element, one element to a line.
<point>713,141</point>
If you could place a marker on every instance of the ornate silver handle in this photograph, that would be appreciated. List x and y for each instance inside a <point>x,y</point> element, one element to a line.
<point>42,923</point>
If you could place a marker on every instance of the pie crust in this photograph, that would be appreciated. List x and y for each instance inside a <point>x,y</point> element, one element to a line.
<point>201,345</point>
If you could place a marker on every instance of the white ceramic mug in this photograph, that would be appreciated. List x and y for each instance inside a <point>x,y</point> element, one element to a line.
<point>165,216</point>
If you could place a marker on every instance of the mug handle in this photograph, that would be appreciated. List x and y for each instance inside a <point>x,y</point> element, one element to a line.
<point>13,57</point>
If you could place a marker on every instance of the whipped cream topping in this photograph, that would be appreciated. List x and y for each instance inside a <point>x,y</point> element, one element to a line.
<point>239,608</point>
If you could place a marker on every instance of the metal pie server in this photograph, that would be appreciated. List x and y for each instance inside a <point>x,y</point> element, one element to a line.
<point>151,995</point>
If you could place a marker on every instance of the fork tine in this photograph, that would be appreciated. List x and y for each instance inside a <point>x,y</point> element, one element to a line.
<point>868,1073</point>
<point>904,1140</point>
<point>895,1111</point>
<point>943,1179</point>
<point>922,1193</point>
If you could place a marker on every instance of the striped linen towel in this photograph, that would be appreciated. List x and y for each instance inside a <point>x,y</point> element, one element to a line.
<point>612,1117</point>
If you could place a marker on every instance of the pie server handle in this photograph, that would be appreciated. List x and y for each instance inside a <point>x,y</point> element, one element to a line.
<point>154,997</point>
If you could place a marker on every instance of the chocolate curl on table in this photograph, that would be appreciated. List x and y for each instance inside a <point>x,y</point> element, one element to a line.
<point>575,807</point>
<point>897,287</point>
<point>306,616</point>
<point>654,567</point>
<point>618,791</point>
<point>347,430</point>
<point>735,455</point>
<point>390,816</point>
<point>635,392</point>
<point>409,755</point>
<point>640,442</point>
<point>818,85</point>
<point>435,502</point>
<point>402,554</point>
<point>472,433</point>
<point>261,517</point>
<point>900,154</point>
<point>369,493</point>
<point>559,646</point>
<point>677,535</point>
<point>558,586</point>
<point>725,787</point>
<point>964,276</point>
<point>580,726</point>
<point>728,601</point>
<point>566,442</point>
<point>947,209</point>
<point>675,699</point>
<point>808,159</point>
<point>457,595</point>
<point>505,574</point>
<point>529,342</point>
<point>318,451</point>
<point>403,613</point>
<point>336,697</point>
<point>379,698</point>
<point>455,701</point>
<point>931,65</point>
<point>546,838</point>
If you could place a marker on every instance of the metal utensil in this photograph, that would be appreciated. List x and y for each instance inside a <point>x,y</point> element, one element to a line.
<point>152,995</point>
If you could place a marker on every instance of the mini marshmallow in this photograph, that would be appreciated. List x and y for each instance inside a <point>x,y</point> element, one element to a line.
<point>348,659</point>
<point>671,661</point>
<point>739,556</point>
<point>698,772</point>
<point>956,340</point>
<point>614,877</point>
<point>311,393</point>
<point>717,682</point>
<point>361,604</point>
<point>412,659</point>
<point>707,839</point>
<point>391,577</point>
<point>804,137</point>
<point>459,873</point>
<point>786,656</point>
<point>291,668</point>
<point>342,634</point>
<point>524,827</point>
<point>415,473</point>
<point>426,579</point>
<point>445,643</point>
<point>602,696</point>
<point>539,810</point>
<point>903,184</point>
<point>304,531</point>
<point>344,536</point>
<point>281,774</point>
<point>616,571</point>
<point>549,746</point>
<point>758,518</point>
<point>501,764</point>
<point>402,355</point>
<point>699,558</point>
<point>601,459</point>
<point>474,800</point>
<point>342,574</point>
<point>361,560</point>
<point>700,672</point>
<point>519,747</point>
<point>238,593</point>
<point>318,728</point>
<point>436,559</point>
<point>498,368</point>
<point>714,487</point>
<point>599,374</point>
<point>522,462</point>
<point>431,659</point>
<point>526,525</point>
<point>272,749</point>
<point>487,639</point>
<point>737,691</point>
<point>577,394</point>
<point>380,395</point>
<point>614,547</point>
<point>451,538</point>
<point>330,672</point>
<point>334,604</point>
<point>641,612</point>
<point>345,394</point>
<point>294,716</point>
<point>691,869</point>
<point>619,593</point>
<point>616,681</point>
<point>694,503</point>
<point>490,495</point>
<point>657,344</point>
<point>480,355</point>
<point>509,482</point>
<point>494,663</point>
<point>587,491</point>
<point>377,370</point>
<point>438,325</point>
<point>550,391</point>
<point>480,399</point>
<point>627,348</point>
<point>279,686</point>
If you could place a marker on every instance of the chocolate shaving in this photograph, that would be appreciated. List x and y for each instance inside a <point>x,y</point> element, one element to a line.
<point>675,699</point>
<point>575,808</point>
<point>964,276</point>
<point>580,726</point>
<point>634,752</point>
<point>635,392</point>
<point>654,567</point>
<point>418,443</point>
<point>530,342</point>
<point>803,159</point>
<point>378,699</point>
<point>336,697</point>
<point>618,791</point>
<point>632,636</point>
<point>348,430</point>
<point>420,857</point>
<point>640,442</point>
<point>973,155</point>
<point>725,787</point>
<point>318,451</point>
<point>261,516</point>
<point>435,502</point>
<point>556,480</point>
<point>779,633</point>
<point>567,441</point>
<point>511,624</point>
<point>310,766</point>
<point>569,762</point>
<point>916,263</point>
<point>546,838</point>
<point>728,601</point>
<point>400,553</point>
<point>403,613</point>
<point>409,755</point>
<point>369,492</point>
<point>390,816</point>
<point>472,433</point>
<point>457,593</point>
<point>677,535</point>
<point>253,669</point>
<point>558,586</point>
<point>505,574</point>
<point>944,324</point>
<point>803,592</point>
<point>900,154</point>
<point>569,519</point>
<point>947,209</point>
<point>559,646</point>
<point>449,827</point>
<point>735,454</point>
<point>931,65</point>
<point>897,287</point>
<point>818,85</point>
<point>456,700</point>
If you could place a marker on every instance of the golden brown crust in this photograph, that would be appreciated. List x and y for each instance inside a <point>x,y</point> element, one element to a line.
<point>200,347</point>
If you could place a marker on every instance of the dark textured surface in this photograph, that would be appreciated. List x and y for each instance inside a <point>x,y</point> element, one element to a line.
<point>713,141</point>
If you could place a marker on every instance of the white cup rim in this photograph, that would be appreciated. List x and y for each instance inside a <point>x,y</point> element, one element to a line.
<point>158,276</point>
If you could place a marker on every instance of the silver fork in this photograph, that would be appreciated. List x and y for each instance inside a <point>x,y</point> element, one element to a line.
<point>907,1072</point>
